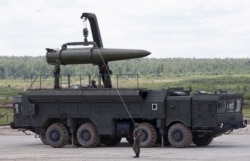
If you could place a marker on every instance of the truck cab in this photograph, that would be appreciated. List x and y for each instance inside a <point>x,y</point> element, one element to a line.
<point>220,112</point>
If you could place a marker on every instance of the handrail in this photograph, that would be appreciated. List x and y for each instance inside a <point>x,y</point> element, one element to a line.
<point>33,81</point>
<point>77,81</point>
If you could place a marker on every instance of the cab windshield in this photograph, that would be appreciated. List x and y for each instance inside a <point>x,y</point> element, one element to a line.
<point>229,105</point>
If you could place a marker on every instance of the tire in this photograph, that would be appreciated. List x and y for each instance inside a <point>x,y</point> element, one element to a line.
<point>87,135</point>
<point>57,135</point>
<point>202,141</point>
<point>179,136</point>
<point>43,138</point>
<point>110,140</point>
<point>149,135</point>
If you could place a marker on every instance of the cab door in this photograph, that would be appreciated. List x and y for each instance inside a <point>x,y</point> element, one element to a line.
<point>204,111</point>
<point>179,109</point>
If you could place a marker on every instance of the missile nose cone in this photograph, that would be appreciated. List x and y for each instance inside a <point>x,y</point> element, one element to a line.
<point>144,53</point>
<point>122,54</point>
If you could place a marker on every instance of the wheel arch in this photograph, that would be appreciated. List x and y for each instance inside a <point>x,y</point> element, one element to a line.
<point>176,122</point>
<point>78,121</point>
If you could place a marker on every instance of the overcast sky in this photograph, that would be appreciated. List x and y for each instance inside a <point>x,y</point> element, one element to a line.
<point>166,28</point>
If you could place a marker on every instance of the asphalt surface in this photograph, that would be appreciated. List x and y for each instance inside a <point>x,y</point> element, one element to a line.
<point>16,146</point>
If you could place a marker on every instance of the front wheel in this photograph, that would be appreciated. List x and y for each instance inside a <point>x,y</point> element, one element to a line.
<point>179,136</point>
<point>87,135</point>
<point>57,135</point>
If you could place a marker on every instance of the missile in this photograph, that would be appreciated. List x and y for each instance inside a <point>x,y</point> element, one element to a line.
<point>92,55</point>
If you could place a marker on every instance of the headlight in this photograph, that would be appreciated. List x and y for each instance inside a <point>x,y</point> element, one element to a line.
<point>245,123</point>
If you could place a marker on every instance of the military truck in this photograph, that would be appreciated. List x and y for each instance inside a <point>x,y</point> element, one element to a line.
<point>86,115</point>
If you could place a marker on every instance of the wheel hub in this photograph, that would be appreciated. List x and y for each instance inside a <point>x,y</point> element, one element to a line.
<point>178,136</point>
<point>54,135</point>
<point>85,135</point>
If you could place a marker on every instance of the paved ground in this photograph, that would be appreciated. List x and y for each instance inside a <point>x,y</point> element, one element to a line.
<point>15,146</point>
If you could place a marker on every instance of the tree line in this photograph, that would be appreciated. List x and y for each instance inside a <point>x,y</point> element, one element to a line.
<point>27,67</point>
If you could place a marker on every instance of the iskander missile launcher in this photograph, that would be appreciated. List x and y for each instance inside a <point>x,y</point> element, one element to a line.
<point>90,116</point>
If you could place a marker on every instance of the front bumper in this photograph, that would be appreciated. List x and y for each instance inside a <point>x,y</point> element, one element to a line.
<point>231,125</point>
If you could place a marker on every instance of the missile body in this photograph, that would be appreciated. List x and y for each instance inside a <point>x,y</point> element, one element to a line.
<point>92,55</point>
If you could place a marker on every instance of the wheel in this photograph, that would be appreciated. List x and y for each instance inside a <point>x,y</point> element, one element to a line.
<point>43,138</point>
<point>202,141</point>
<point>179,136</point>
<point>149,135</point>
<point>110,140</point>
<point>87,135</point>
<point>57,135</point>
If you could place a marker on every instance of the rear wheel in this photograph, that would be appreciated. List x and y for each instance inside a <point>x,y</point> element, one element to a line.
<point>57,135</point>
<point>202,141</point>
<point>87,135</point>
<point>149,135</point>
<point>179,136</point>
